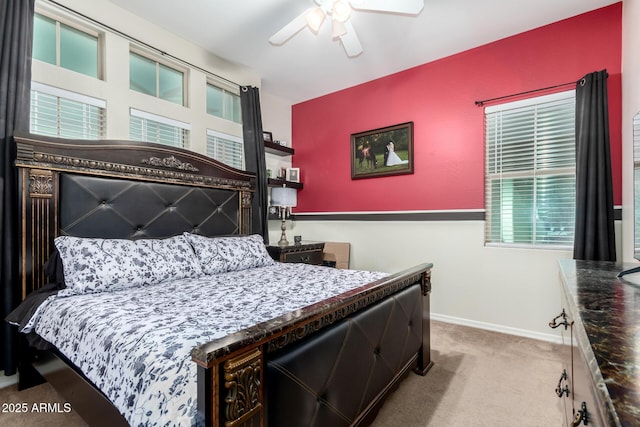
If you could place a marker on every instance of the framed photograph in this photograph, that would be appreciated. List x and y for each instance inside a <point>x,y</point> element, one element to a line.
<point>382,152</point>
<point>293,174</point>
<point>267,136</point>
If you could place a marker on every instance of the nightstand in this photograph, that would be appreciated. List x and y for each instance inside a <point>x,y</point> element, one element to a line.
<point>304,252</point>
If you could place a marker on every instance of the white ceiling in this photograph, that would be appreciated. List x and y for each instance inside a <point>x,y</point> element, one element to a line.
<point>310,65</point>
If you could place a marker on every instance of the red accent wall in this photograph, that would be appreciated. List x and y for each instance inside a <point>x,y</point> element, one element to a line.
<point>448,127</point>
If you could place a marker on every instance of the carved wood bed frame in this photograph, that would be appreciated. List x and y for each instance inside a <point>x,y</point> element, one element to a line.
<point>233,388</point>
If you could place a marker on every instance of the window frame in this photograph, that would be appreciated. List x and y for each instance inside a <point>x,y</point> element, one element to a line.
<point>228,137</point>
<point>81,27</point>
<point>70,96</point>
<point>167,121</point>
<point>136,50</point>
<point>534,173</point>
<point>225,88</point>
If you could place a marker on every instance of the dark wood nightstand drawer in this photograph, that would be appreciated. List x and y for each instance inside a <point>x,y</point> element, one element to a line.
<point>305,252</point>
<point>307,257</point>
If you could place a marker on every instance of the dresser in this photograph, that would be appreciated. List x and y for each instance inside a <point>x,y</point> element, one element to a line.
<point>600,323</point>
<point>305,252</point>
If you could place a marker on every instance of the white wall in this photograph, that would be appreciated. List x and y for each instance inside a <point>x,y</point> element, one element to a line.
<point>509,290</point>
<point>630,106</point>
<point>114,87</point>
<point>276,118</point>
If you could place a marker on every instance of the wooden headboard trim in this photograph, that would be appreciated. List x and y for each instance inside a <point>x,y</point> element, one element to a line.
<point>129,159</point>
<point>41,160</point>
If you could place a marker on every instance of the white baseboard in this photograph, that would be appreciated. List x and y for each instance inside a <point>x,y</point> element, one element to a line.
<point>556,339</point>
<point>6,381</point>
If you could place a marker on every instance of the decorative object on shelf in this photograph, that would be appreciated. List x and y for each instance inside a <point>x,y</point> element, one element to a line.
<point>297,239</point>
<point>268,173</point>
<point>282,174</point>
<point>293,174</point>
<point>284,198</point>
<point>382,152</point>
<point>279,142</point>
<point>267,136</point>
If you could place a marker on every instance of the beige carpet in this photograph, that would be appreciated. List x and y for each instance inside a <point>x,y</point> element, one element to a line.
<point>480,378</point>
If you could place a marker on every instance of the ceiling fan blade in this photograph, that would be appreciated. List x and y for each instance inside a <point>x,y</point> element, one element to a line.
<point>412,7</point>
<point>350,40</point>
<point>291,29</point>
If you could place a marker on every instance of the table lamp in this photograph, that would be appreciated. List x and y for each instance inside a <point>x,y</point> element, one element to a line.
<point>284,198</point>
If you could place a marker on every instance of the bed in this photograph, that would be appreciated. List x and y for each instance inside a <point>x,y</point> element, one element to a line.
<point>252,342</point>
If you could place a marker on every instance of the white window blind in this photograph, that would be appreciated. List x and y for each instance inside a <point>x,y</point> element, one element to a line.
<point>61,113</point>
<point>225,148</point>
<point>530,171</point>
<point>149,127</point>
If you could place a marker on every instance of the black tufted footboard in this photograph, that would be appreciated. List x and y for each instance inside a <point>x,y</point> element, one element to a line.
<point>337,377</point>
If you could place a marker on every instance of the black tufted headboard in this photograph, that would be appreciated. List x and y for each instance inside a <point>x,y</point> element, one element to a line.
<point>121,189</point>
<point>118,208</point>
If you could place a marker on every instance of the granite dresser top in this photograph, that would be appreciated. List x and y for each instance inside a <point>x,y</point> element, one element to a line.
<point>606,311</point>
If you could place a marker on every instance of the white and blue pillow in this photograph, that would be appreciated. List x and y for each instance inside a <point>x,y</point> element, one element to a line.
<point>222,254</point>
<point>98,265</point>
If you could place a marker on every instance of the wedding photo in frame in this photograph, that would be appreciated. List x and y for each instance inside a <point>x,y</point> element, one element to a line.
<point>382,152</point>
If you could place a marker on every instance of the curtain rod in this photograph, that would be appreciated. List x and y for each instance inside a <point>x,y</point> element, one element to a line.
<point>481,103</point>
<point>147,45</point>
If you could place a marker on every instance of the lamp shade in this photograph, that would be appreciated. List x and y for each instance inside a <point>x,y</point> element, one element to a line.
<point>284,196</point>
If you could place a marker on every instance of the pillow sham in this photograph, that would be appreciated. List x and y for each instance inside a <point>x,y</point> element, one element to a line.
<point>98,265</point>
<point>233,253</point>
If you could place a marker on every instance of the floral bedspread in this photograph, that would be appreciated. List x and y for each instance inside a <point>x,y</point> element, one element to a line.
<point>134,344</point>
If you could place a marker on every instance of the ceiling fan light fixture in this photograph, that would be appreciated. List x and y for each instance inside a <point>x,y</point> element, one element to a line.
<point>314,18</point>
<point>338,29</point>
<point>341,10</point>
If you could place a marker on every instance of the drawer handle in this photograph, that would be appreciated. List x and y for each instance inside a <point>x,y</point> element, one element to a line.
<point>305,258</point>
<point>554,322</point>
<point>559,390</point>
<point>581,416</point>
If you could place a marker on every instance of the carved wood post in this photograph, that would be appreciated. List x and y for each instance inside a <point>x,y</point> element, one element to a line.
<point>245,212</point>
<point>244,394</point>
<point>424,356</point>
<point>38,225</point>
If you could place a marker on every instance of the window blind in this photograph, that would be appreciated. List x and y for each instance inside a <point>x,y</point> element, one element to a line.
<point>61,113</point>
<point>530,171</point>
<point>149,127</point>
<point>225,148</point>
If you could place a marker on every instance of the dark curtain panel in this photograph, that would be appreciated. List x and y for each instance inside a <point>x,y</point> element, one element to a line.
<point>16,34</point>
<point>254,156</point>
<point>594,233</point>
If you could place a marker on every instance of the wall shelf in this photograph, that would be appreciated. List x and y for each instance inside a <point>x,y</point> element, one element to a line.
<point>277,149</point>
<point>274,182</point>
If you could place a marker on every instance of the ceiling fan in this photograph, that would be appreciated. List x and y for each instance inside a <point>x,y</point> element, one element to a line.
<point>340,13</point>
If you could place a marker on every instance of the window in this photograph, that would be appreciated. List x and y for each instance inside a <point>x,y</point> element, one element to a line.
<point>149,127</point>
<point>67,47</point>
<point>227,149</point>
<point>223,103</point>
<point>530,171</point>
<point>155,79</point>
<point>57,112</point>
